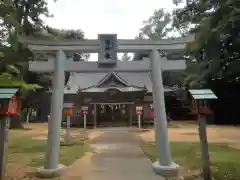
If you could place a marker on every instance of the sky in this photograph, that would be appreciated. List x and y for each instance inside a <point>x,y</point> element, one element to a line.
<point>94,17</point>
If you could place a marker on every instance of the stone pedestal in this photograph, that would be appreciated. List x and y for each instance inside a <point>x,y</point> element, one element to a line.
<point>50,173</point>
<point>171,171</point>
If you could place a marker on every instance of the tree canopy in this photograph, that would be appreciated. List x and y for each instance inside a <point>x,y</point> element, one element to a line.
<point>213,58</point>
<point>214,55</point>
<point>159,26</point>
<point>23,18</point>
<point>216,27</point>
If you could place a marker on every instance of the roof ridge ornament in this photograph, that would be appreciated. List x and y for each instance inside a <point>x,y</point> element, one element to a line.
<point>113,75</point>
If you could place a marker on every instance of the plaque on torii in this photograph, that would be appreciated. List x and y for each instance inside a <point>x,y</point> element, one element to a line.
<point>108,50</point>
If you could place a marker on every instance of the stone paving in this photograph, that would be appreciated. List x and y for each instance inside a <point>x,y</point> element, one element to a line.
<point>118,156</point>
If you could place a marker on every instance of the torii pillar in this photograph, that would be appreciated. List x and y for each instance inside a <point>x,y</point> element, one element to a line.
<point>51,167</point>
<point>164,167</point>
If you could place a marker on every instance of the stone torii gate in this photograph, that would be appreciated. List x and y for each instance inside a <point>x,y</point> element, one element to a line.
<point>107,46</point>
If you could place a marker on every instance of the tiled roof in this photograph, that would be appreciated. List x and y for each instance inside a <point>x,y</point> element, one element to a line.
<point>139,79</point>
<point>86,80</point>
<point>82,81</point>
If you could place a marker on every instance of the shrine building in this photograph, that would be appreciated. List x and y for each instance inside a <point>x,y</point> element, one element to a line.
<point>111,98</point>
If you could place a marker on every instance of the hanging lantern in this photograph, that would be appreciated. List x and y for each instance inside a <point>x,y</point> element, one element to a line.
<point>12,105</point>
<point>68,111</point>
<point>9,102</point>
<point>153,114</point>
<point>9,106</point>
<point>152,110</point>
<point>84,110</point>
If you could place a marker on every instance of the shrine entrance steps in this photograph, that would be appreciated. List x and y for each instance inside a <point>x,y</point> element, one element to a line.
<point>118,156</point>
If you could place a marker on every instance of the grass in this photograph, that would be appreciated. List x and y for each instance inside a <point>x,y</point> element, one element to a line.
<point>31,151</point>
<point>224,160</point>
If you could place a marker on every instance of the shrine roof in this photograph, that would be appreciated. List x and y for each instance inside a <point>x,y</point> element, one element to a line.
<point>81,81</point>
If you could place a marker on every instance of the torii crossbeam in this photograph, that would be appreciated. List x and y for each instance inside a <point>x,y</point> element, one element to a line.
<point>107,45</point>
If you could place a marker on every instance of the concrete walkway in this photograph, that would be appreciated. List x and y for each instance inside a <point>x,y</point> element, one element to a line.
<point>119,157</point>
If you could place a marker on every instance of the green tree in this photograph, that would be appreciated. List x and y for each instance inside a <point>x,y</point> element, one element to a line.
<point>18,18</point>
<point>215,49</point>
<point>159,26</point>
<point>216,27</point>
<point>23,18</point>
<point>33,99</point>
<point>156,27</point>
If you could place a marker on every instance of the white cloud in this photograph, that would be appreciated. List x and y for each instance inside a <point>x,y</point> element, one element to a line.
<point>123,17</point>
